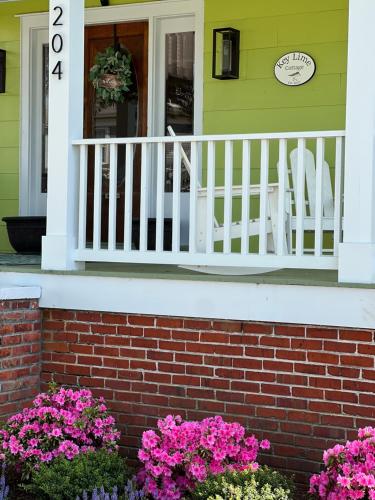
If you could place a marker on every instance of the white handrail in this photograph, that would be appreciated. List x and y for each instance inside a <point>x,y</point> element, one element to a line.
<point>214,138</point>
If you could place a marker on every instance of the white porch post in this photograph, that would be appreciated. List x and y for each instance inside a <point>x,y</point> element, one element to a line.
<point>65,124</point>
<point>357,252</point>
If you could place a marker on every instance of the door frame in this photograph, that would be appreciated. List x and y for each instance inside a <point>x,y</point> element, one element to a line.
<point>153,12</point>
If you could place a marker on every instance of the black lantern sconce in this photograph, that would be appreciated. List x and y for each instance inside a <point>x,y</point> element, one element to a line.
<point>104,3</point>
<point>3,57</point>
<point>226,54</point>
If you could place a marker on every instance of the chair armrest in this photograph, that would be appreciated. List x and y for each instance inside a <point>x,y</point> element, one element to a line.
<point>255,189</point>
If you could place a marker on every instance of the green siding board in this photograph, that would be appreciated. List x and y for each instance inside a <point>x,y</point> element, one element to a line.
<point>254,103</point>
<point>9,156</point>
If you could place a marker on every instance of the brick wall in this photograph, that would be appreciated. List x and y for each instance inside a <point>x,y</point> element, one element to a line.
<point>303,387</point>
<point>20,354</point>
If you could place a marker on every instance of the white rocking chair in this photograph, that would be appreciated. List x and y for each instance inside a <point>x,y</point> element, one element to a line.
<point>236,227</point>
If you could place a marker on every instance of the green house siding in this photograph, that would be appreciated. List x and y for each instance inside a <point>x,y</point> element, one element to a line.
<point>254,103</point>
<point>257,102</point>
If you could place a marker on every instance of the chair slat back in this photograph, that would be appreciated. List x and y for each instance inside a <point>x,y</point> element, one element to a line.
<point>310,176</point>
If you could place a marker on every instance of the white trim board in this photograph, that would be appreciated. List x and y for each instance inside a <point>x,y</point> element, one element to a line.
<point>310,305</point>
<point>151,11</point>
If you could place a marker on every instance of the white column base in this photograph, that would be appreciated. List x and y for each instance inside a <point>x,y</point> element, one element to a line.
<point>57,254</point>
<point>357,263</point>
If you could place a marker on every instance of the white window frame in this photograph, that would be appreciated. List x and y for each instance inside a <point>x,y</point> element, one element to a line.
<point>32,202</point>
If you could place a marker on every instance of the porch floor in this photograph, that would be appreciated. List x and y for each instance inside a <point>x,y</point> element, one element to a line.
<point>301,277</point>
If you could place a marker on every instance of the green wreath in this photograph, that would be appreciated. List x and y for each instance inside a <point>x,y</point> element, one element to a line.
<point>111,76</point>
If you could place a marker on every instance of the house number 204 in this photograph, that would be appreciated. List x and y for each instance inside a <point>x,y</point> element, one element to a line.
<point>58,42</point>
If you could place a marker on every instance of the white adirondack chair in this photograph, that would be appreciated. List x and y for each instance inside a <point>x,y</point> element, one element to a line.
<point>309,206</point>
<point>236,227</point>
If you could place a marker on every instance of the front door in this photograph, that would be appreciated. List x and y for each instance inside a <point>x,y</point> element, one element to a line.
<point>128,119</point>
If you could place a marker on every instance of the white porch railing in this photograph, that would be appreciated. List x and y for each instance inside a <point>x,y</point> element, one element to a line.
<point>255,201</point>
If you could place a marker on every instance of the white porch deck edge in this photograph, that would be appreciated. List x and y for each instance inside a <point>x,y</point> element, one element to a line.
<point>334,306</point>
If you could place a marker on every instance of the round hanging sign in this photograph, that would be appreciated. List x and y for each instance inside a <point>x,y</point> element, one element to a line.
<point>295,68</point>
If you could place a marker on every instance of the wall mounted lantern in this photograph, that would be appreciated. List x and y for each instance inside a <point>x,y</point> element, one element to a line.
<point>226,54</point>
<point>2,70</point>
<point>104,3</point>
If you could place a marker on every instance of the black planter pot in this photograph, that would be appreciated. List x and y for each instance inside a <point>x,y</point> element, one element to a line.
<point>25,233</point>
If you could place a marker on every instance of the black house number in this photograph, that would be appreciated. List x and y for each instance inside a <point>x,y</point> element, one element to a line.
<point>58,42</point>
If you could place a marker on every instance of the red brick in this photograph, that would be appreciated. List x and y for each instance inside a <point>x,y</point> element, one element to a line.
<point>290,331</point>
<point>339,346</point>
<point>324,407</point>
<point>170,322</point>
<point>184,335</point>
<point>357,361</point>
<point>341,371</point>
<point>104,329</point>
<point>60,314</point>
<point>130,330</point>
<point>167,345</point>
<point>114,319</point>
<point>205,371</point>
<point>195,324</point>
<point>321,333</point>
<point>144,343</point>
<point>90,360</point>
<point>260,328</point>
<point>157,355</point>
<point>292,355</point>
<point>88,317</point>
<point>313,369</point>
<point>141,320</point>
<point>229,373</point>
<point>245,386</point>
<point>278,366</point>
<point>274,341</point>
<point>227,326</point>
<point>214,337</point>
<point>194,359</point>
<point>247,363</point>
<point>81,349</point>
<point>323,358</point>
<point>356,335</point>
<point>77,327</point>
<point>259,352</point>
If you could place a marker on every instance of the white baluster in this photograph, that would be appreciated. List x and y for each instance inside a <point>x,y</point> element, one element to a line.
<point>300,198</point>
<point>128,215</point>
<point>263,208</point>
<point>98,196</point>
<point>319,197</point>
<point>176,197</point>
<point>160,189</point>
<point>338,194</point>
<point>143,223</point>
<point>281,212</point>
<point>228,185</point>
<point>193,199</point>
<point>82,197</point>
<point>210,208</point>
<point>245,208</point>
<point>112,197</point>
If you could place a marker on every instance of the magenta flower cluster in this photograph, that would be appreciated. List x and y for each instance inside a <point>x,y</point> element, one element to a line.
<point>183,453</point>
<point>349,470</point>
<point>61,422</point>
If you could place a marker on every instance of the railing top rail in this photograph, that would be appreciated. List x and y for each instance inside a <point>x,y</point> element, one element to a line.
<point>214,138</point>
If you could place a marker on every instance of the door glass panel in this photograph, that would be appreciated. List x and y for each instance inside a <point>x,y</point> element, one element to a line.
<point>44,165</point>
<point>179,96</point>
